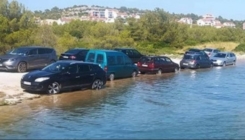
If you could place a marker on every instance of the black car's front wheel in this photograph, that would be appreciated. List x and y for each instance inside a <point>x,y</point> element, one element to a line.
<point>54,88</point>
<point>97,84</point>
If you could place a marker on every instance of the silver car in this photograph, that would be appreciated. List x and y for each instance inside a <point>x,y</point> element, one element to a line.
<point>211,52</point>
<point>23,58</point>
<point>224,58</point>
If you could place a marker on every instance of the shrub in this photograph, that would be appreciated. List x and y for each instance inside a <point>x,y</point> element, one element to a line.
<point>240,48</point>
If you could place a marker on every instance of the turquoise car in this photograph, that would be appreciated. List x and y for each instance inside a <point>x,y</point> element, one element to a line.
<point>115,63</point>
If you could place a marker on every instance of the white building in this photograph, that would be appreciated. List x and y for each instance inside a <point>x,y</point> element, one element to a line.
<point>186,20</point>
<point>229,24</point>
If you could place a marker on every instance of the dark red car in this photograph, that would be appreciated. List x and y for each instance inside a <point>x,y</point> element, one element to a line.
<point>157,64</point>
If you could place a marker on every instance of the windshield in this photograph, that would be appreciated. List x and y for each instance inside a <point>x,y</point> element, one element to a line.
<point>19,51</point>
<point>189,57</point>
<point>220,55</point>
<point>56,67</point>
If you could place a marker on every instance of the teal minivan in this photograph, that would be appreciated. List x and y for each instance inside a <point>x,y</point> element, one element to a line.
<point>115,63</point>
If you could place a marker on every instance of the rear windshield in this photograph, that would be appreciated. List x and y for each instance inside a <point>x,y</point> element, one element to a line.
<point>220,55</point>
<point>189,57</point>
<point>72,51</point>
<point>145,59</point>
<point>194,50</point>
<point>208,50</point>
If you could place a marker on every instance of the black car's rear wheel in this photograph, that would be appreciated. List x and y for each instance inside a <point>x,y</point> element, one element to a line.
<point>54,88</point>
<point>97,84</point>
<point>22,67</point>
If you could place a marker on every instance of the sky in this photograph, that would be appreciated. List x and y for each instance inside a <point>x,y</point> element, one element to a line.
<point>229,9</point>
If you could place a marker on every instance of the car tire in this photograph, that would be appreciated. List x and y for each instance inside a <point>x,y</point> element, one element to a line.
<point>54,88</point>
<point>112,77</point>
<point>159,72</point>
<point>224,64</point>
<point>22,67</point>
<point>234,63</point>
<point>198,66</point>
<point>134,74</point>
<point>176,70</point>
<point>97,84</point>
<point>142,72</point>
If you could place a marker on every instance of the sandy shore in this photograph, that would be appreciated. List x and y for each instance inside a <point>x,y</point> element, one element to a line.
<point>11,92</point>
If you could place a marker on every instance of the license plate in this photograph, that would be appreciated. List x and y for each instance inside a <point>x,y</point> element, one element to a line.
<point>65,56</point>
<point>185,63</point>
<point>1,65</point>
<point>144,65</point>
<point>27,83</point>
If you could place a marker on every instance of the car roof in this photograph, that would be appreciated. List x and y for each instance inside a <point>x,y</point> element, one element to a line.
<point>32,47</point>
<point>78,49</point>
<point>124,49</point>
<point>92,50</point>
<point>75,62</point>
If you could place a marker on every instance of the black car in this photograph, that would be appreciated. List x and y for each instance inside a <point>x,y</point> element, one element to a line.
<point>64,75</point>
<point>195,61</point>
<point>74,54</point>
<point>133,54</point>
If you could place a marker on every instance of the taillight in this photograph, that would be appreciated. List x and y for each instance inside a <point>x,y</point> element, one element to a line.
<point>73,57</point>
<point>151,65</point>
<point>105,69</point>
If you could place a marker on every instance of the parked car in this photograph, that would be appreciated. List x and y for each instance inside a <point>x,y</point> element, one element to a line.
<point>157,64</point>
<point>224,58</point>
<point>195,61</point>
<point>115,63</point>
<point>23,58</point>
<point>211,52</point>
<point>74,54</point>
<point>133,54</point>
<point>64,75</point>
<point>195,51</point>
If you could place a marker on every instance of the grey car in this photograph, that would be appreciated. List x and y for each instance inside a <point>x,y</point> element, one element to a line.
<point>224,58</point>
<point>23,58</point>
<point>195,61</point>
<point>211,52</point>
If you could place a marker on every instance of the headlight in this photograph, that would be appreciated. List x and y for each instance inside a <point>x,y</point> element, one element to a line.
<point>41,79</point>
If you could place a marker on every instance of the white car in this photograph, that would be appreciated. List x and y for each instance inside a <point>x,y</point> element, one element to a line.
<point>224,58</point>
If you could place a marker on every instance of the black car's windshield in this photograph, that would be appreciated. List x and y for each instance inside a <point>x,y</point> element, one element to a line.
<point>19,51</point>
<point>189,57</point>
<point>220,55</point>
<point>56,67</point>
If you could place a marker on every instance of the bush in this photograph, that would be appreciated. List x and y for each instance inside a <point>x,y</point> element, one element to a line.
<point>240,48</point>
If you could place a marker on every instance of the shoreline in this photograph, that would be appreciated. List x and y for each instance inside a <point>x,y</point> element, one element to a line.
<point>12,94</point>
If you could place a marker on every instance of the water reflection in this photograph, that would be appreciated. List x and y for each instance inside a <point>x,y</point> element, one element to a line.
<point>205,103</point>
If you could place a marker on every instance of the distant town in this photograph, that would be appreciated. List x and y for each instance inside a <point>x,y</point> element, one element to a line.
<point>109,15</point>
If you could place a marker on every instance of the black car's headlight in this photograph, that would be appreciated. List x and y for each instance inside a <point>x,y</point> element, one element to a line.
<point>41,79</point>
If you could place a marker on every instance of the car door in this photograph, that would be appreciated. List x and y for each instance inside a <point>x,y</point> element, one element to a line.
<point>128,66</point>
<point>43,57</point>
<point>33,58</point>
<point>86,75</point>
<point>70,76</point>
<point>169,64</point>
<point>229,59</point>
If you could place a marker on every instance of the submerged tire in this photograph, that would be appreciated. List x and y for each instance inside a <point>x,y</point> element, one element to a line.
<point>112,77</point>
<point>97,84</point>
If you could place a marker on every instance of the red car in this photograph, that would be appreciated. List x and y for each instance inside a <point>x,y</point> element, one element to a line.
<point>157,64</point>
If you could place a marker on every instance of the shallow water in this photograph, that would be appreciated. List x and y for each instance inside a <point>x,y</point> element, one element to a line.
<point>207,103</point>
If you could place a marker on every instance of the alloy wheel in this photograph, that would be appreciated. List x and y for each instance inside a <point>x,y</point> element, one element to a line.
<point>54,88</point>
<point>97,84</point>
<point>22,67</point>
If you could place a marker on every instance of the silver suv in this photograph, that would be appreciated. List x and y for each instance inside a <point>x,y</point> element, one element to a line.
<point>23,58</point>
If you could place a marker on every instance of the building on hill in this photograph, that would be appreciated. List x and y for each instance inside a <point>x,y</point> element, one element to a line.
<point>186,20</point>
<point>229,24</point>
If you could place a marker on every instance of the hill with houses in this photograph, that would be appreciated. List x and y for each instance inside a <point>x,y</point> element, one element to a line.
<point>109,15</point>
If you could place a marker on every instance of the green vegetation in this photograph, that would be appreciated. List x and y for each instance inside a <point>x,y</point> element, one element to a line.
<point>156,32</point>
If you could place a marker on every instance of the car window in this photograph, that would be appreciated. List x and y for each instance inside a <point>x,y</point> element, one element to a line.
<point>72,69</point>
<point>168,60</point>
<point>220,55</point>
<point>188,57</point>
<point>127,60</point>
<point>136,53</point>
<point>120,60</point>
<point>91,57</point>
<point>83,68</point>
<point>111,60</point>
<point>83,53</point>
<point>44,51</point>
<point>33,52</point>
<point>208,50</point>
<point>145,59</point>
<point>198,58</point>
<point>227,55</point>
<point>100,59</point>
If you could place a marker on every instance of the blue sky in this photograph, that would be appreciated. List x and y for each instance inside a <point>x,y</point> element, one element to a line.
<point>230,9</point>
